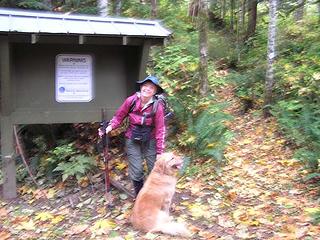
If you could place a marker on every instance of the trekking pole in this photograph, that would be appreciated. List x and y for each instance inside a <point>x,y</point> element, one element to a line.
<point>104,151</point>
<point>106,156</point>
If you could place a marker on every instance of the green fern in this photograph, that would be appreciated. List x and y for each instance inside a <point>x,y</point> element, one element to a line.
<point>205,133</point>
<point>76,167</point>
<point>300,121</point>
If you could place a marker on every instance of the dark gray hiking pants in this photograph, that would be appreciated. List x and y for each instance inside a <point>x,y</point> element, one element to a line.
<point>137,152</point>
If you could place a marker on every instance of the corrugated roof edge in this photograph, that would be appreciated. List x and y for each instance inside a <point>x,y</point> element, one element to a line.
<point>65,16</point>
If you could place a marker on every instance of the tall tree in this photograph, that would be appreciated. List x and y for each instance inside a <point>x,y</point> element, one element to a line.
<point>252,18</point>
<point>103,8</point>
<point>117,5</point>
<point>298,14</point>
<point>318,11</point>
<point>272,34</point>
<point>199,10</point>
<point>232,7</point>
<point>154,9</point>
<point>243,14</point>
<point>223,9</point>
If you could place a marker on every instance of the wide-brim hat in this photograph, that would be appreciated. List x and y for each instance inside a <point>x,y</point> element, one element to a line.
<point>154,80</point>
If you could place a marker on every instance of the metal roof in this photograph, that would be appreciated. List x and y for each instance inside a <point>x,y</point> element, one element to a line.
<point>26,21</point>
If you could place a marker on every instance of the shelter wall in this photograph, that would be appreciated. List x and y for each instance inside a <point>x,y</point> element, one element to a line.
<point>115,71</point>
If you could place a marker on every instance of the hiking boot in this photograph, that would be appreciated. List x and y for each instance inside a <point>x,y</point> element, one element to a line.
<point>137,186</point>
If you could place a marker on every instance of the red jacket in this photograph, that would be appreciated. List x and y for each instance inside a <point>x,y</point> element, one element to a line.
<point>135,118</point>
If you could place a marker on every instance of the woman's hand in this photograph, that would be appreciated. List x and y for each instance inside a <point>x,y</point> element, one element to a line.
<point>101,133</point>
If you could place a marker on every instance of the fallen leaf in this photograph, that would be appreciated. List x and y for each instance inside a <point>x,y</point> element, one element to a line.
<point>104,224</point>
<point>121,165</point>
<point>29,226</point>
<point>4,235</point>
<point>44,216</point>
<point>3,212</point>
<point>57,219</point>
<point>74,230</point>
<point>225,221</point>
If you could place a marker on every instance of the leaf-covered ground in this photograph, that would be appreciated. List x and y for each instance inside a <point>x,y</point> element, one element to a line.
<point>259,194</point>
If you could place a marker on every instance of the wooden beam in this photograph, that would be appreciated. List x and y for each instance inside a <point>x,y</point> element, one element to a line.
<point>5,77</point>
<point>124,40</point>
<point>82,39</point>
<point>34,38</point>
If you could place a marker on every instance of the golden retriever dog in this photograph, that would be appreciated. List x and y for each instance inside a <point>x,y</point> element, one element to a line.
<point>151,208</point>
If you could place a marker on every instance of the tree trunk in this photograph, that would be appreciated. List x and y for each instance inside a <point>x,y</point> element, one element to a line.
<point>117,7</point>
<point>199,9</point>
<point>154,9</point>
<point>103,8</point>
<point>252,18</point>
<point>232,7</point>
<point>298,14</point>
<point>318,11</point>
<point>270,80</point>
<point>242,21</point>
<point>223,11</point>
<point>203,50</point>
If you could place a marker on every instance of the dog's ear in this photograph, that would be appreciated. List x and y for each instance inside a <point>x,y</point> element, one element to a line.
<point>160,164</point>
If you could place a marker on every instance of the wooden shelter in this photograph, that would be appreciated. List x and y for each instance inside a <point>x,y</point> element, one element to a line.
<point>59,68</point>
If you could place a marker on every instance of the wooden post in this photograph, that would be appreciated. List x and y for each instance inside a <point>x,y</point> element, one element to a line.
<point>8,160</point>
<point>7,150</point>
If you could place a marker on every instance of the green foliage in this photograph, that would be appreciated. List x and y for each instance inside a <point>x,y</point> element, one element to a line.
<point>299,66</point>
<point>298,71</point>
<point>222,49</point>
<point>76,166</point>
<point>33,4</point>
<point>175,62</point>
<point>250,83</point>
<point>56,156</point>
<point>77,6</point>
<point>206,133</point>
<point>66,160</point>
<point>315,217</point>
<point>300,121</point>
<point>136,9</point>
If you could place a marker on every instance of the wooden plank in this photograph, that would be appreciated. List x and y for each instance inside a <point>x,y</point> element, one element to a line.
<point>6,104</point>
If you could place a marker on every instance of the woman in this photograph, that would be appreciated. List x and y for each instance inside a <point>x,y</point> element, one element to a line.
<point>145,135</point>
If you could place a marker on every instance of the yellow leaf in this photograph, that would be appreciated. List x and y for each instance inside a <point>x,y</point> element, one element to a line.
<point>26,226</point>
<point>57,219</point>
<point>191,139</point>
<point>121,166</point>
<point>84,182</point>
<point>104,224</point>
<point>44,216</point>
<point>246,141</point>
<point>197,210</point>
<point>211,145</point>
<point>312,210</point>
<point>285,201</point>
<point>51,193</point>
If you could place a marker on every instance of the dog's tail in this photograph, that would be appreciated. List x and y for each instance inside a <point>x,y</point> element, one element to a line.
<point>172,228</point>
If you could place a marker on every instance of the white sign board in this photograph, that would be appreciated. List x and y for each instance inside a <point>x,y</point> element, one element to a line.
<point>73,78</point>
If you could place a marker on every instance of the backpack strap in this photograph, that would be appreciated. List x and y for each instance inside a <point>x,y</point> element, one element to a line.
<point>132,105</point>
<point>145,115</point>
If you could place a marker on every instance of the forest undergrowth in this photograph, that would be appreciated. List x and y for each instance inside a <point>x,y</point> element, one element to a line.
<point>259,193</point>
